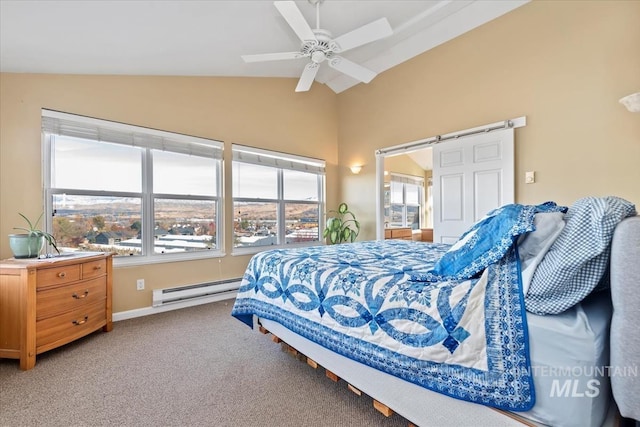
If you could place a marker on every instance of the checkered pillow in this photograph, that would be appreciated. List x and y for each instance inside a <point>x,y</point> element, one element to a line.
<point>578,259</point>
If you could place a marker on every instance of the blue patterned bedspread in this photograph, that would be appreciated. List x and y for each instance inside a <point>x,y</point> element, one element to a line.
<point>370,301</point>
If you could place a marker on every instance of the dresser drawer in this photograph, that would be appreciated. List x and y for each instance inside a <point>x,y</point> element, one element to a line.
<point>57,275</point>
<point>51,301</point>
<point>55,331</point>
<point>94,269</point>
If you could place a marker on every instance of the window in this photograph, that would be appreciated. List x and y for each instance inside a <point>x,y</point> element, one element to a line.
<point>146,195</point>
<point>277,198</point>
<point>406,194</point>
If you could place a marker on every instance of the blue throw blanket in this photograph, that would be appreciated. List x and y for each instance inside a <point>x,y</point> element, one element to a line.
<point>376,302</point>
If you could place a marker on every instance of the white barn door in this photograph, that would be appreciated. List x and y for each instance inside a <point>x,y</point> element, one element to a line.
<point>471,176</point>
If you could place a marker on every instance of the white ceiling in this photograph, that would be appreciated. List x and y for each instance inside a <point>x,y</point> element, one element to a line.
<point>207,37</point>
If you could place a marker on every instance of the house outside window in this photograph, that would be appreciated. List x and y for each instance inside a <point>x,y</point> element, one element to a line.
<point>145,194</point>
<point>406,201</point>
<point>278,199</point>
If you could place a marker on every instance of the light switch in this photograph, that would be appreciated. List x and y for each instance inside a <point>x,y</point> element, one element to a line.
<point>530,177</point>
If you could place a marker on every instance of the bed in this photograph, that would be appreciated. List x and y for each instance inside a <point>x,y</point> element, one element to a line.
<point>515,316</point>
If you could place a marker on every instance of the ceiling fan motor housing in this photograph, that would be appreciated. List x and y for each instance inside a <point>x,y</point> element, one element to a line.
<point>320,49</point>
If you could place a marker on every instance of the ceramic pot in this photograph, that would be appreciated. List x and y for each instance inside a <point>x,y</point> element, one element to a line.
<point>25,245</point>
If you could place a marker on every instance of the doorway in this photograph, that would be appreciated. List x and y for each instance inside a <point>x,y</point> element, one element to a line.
<point>472,173</point>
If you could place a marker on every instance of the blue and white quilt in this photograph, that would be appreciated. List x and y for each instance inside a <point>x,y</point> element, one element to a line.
<point>379,303</point>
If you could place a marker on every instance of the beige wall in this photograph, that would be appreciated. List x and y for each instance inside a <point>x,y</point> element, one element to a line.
<point>562,64</point>
<point>402,164</point>
<point>257,112</point>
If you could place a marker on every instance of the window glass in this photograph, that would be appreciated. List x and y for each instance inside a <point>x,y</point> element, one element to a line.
<point>254,181</point>
<point>301,222</point>
<point>255,224</point>
<point>300,185</point>
<point>413,217</point>
<point>197,174</point>
<point>397,216</point>
<point>184,225</point>
<point>98,223</point>
<point>81,164</point>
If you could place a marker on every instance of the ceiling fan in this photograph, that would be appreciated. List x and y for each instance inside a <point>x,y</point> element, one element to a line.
<point>318,45</point>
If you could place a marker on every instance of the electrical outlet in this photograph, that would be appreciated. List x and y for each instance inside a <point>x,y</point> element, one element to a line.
<point>140,284</point>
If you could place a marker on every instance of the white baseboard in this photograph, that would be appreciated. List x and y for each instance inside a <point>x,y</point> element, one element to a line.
<point>146,311</point>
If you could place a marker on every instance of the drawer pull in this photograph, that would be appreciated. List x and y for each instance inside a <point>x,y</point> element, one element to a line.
<point>76,296</point>
<point>62,274</point>
<point>80,322</point>
<point>97,267</point>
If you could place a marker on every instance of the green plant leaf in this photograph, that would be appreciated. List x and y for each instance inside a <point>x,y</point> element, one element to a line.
<point>338,228</point>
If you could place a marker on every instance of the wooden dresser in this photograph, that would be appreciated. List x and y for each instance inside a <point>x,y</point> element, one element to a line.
<point>398,233</point>
<point>50,302</point>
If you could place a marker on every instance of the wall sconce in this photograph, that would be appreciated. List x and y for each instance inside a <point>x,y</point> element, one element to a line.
<point>355,169</point>
<point>632,102</point>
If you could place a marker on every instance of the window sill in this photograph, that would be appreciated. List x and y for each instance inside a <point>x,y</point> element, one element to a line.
<point>164,258</point>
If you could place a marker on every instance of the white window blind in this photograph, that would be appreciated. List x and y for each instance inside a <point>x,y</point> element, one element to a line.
<point>58,123</point>
<point>407,179</point>
<point>257,156</point>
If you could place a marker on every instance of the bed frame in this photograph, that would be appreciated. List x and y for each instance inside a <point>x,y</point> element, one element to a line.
<point>424,407</point>
<point>625,296</point>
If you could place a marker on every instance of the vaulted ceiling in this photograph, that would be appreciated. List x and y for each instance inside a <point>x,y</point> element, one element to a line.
<point>207,38</point>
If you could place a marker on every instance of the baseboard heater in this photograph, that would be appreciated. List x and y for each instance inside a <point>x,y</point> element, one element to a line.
<point>181,294</point>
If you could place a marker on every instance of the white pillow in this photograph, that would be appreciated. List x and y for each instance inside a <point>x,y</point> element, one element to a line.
<point>533,246</point>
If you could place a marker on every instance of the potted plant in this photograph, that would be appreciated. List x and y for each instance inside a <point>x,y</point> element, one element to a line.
<point>29,244</point>
<point>343,227</point>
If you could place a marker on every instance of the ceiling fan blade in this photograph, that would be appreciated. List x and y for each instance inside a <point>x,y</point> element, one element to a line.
<point>307,77</point>
<point>294,18</point>
<point>272,56</point>
<point>373,31</point>
<point>352,69</point>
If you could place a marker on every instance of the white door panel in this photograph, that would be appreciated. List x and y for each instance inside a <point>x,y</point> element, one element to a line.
<point>471,176</point>
<point>487,192</point>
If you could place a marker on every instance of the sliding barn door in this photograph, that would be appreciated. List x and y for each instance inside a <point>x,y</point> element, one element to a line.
<point>471,176</point>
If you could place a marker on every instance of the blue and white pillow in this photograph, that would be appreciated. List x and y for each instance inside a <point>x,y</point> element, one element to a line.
<point>578,259</point>
<point>488,240</point>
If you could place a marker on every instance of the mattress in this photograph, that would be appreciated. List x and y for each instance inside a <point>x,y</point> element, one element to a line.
<point>569,357</point>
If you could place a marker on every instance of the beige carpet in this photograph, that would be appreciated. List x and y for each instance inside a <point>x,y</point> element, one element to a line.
<point>191,367</point>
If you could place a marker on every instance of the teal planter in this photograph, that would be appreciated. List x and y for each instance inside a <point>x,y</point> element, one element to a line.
<point>25,245</point>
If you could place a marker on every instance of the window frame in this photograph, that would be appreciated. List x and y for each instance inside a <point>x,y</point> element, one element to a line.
<point>404,180</point>
<point>279,161</point>
<point>146,195</point>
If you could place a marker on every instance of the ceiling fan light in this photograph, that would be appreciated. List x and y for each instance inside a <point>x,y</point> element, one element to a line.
<point>318,56</point>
